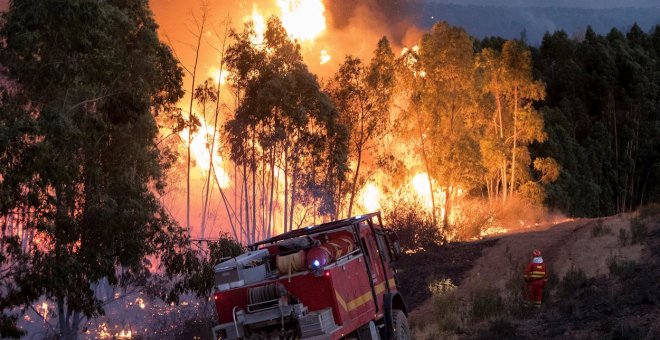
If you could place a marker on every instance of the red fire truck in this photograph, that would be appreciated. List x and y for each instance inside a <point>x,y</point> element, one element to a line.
<point>329,281</point>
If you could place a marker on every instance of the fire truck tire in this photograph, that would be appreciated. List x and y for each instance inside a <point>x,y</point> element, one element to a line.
<point>401,328</point>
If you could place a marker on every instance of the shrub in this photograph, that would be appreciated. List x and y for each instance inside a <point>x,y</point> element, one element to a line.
<point>515,288</point>
<point>474,219</point>
<point>621,268</point>
<point>624,331</point>
<point>501,328</point>
<point>624,237</point>
<point>440,287</point>
<point>649,210</point>
<point>413,225</point>
<point>600,229</point>
<point>486,303</point>
<point>446,306</point>
<point>574,279</point>
<point>638,231</point>
<point>553,281</point>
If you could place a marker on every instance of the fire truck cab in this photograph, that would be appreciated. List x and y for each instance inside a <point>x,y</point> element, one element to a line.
<point>329,281</point>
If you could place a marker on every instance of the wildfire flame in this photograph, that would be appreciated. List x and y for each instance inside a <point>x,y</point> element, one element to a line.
<point>199,149</point>
<point>124,334</point>
<point>217,76</point>
<point>421,184</point>
<point>259,25</point>
<point>370,197</point>
<point>325,57</point>
<point>303,19</point>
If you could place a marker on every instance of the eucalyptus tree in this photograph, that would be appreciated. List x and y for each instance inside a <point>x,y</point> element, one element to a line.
<point>448,98</point>
<point>363,95</point>
<point>284,129</point>
<point>80,168</point>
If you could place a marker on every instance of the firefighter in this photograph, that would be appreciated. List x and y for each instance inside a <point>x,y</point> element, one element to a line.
<point>536,277</point>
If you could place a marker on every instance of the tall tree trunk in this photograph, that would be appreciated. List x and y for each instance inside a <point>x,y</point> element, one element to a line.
<point>254,187</point>
<point>246,199</point>
<point>286,191</point>
<point>445,216</point>
<point>215,130</point>
<point>272,189</point>
<point>505,183</point>
<point>294,182</point>
<point>515,139</point>
<point>61,317</point>
<point>426,165</point>
<point>199,36</point>
<point>231,217</point>
<point>500,129</point>
<point>354,182</point>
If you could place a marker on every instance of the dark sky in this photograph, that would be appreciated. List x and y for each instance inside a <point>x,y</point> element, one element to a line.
<point>556,3</point>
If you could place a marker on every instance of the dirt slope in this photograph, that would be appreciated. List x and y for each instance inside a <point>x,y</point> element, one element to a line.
<point>602,305</point>
<point>564,245</point>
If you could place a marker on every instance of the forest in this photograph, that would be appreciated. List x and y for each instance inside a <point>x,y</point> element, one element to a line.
<point>91,123</point>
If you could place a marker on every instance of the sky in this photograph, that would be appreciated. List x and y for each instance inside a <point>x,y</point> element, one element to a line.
<point>556,3</point>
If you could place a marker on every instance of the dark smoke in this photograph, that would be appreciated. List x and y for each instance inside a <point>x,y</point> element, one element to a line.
<point>397,15</point>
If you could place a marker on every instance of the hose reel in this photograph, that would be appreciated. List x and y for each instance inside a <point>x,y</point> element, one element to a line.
<point>265,296</point>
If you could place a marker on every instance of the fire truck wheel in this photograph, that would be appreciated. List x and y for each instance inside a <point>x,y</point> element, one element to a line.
<point>400,322</point>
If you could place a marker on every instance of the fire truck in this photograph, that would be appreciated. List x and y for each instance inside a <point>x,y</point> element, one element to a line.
<point>335,280</point>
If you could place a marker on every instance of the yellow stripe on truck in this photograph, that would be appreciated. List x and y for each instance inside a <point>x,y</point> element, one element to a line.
<point>362,299</point>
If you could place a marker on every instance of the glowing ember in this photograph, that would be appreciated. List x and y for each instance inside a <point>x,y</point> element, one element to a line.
<point>140,303</point>
<point>325,57</point>
<point>199,148</point>
<point>44,311</point>
<point>103,331</point>
<point>303,19</point>
<point>370,197</point>
<point>124,334</point>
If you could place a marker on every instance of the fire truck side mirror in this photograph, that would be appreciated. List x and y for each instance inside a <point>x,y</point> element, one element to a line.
<point>396,250</point>
<point>395,244</point>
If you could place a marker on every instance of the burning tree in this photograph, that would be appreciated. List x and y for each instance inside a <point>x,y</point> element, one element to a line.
<point>284,136</point>
<point>441,90</point>
<point>79,168</point>
<point>363,95</point>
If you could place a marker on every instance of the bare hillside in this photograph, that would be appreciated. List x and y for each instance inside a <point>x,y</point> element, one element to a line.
<point>604,283</point>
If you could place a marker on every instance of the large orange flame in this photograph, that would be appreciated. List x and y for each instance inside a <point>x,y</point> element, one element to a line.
<point>303,19</point>
<point>199,149</point>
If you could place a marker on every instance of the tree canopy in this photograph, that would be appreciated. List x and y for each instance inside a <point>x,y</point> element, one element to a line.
<point>80,172</point>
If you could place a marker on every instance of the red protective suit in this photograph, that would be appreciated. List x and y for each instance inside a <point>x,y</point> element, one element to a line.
<point>536,277</point>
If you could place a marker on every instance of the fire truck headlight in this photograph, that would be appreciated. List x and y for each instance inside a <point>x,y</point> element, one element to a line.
<point>316,264</point>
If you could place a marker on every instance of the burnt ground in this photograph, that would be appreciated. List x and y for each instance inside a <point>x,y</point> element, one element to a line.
<point>451,261</point>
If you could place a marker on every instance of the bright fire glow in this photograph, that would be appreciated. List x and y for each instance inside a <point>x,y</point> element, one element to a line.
<point>44,311</point>
<point>124,334</point>
<point>370,197</point>
<point>259,25</point>
<point>303,19</point>
<point>217,77</point>
<point>140,303</point>
<point>325,57</point>
<point>421,184</point>
<point>199,149</point>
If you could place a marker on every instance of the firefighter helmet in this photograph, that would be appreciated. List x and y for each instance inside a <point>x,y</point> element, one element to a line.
<point>536,253</point>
